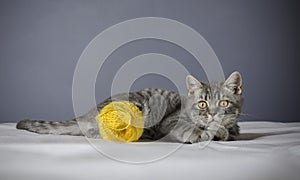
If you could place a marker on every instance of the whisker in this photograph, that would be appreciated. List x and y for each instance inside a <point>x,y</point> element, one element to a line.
<point>250,115</point>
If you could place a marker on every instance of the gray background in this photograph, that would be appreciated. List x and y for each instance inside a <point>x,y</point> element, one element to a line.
<point>41,41</point>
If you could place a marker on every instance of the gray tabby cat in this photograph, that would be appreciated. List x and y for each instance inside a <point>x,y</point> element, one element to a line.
<point>209,112</point>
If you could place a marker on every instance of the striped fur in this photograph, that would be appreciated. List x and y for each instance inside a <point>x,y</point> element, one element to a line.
<point>50,127</point>
<point>168,116</point>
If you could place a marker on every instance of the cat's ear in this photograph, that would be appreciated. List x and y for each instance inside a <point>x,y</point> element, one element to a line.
<point>192,84</point>
<point>234,83</point>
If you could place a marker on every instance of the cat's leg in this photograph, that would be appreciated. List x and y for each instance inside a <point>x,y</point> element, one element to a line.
<point>154,110</point>
<point>88,124</point>
<point>198,135</point>
<point>185,132</point>
<point>81,126</point>
<point>233,132</point>
<point>218,132</point>
<point>50,127</point>
<point>222,133</point>
<point>193,135</point>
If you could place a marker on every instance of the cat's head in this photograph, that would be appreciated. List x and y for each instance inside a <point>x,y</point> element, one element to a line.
<point>219,102</point>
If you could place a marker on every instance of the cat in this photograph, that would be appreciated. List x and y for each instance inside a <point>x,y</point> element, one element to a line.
<point>210,111</point>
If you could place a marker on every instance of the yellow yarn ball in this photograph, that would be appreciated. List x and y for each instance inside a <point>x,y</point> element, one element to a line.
<point>120,121</point>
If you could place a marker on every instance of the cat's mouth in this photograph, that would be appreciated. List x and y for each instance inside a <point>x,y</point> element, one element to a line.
<point>213,123</point>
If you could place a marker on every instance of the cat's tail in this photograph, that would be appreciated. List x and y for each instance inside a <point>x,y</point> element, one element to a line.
<point>49,127</point>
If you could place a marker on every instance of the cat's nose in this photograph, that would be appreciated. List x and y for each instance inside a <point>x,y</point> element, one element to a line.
<point>213,113</point>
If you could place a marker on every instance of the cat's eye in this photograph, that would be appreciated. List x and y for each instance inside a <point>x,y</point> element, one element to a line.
<point>223,103</point>
<point>202,104</point>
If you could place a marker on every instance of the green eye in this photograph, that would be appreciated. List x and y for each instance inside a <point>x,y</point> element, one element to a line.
<point>223,103</point>
<point>202,104</point>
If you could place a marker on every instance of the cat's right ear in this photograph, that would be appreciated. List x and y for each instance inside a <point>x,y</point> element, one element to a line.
<point>234,83</point>
<point>192,84</point>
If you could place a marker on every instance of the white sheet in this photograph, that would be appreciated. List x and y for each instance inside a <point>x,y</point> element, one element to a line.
<point>274,154</point>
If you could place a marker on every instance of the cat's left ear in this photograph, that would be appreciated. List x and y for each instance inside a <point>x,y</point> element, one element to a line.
<point>192,84</point>
<point>234,83</point>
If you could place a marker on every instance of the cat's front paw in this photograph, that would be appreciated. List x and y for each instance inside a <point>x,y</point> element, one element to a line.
<point>207,135</point>
<point>221,133</point>
<point>92,133</point>
<point>200,136</point>
<point>194,138</point>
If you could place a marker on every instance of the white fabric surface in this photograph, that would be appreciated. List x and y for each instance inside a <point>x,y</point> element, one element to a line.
<point>267,151</point>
